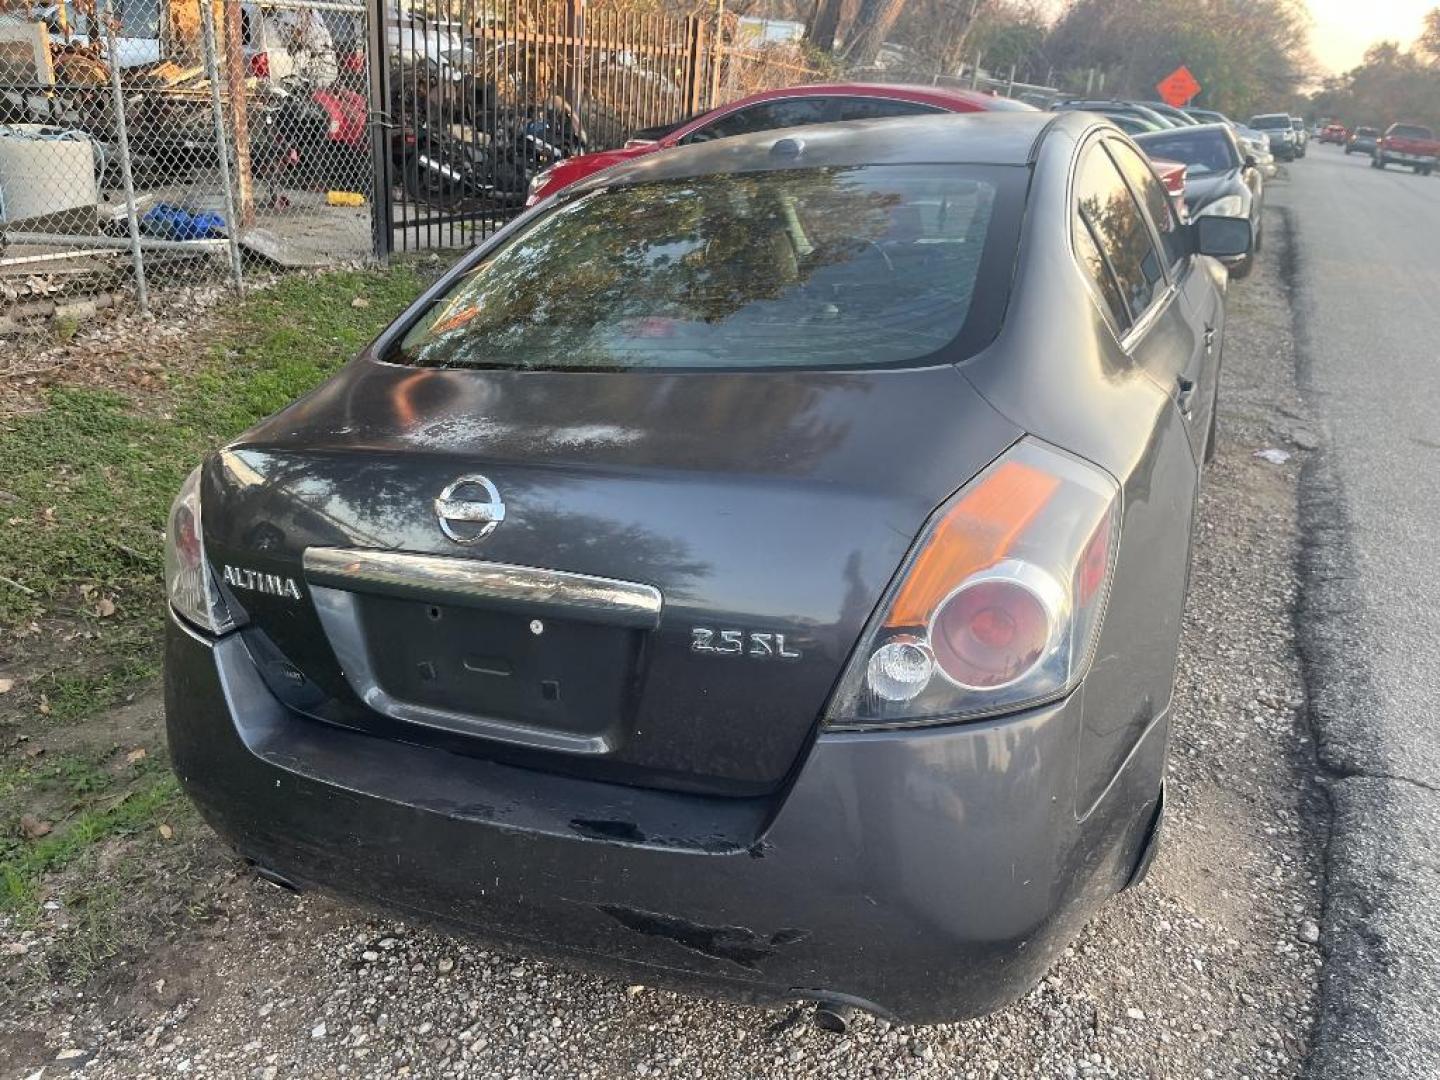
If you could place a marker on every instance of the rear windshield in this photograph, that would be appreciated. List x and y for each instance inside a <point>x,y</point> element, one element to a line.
<point>1275,120</point>
<point>1367,131</point>
<point>1412,131</point>
<point>1204,151</point>
<point>843,267</point>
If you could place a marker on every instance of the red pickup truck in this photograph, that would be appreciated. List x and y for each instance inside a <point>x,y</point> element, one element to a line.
<point>1407,144</point>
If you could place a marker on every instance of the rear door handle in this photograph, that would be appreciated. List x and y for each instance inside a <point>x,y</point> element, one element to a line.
<point>1184,395</point>
<point>1209,339</point>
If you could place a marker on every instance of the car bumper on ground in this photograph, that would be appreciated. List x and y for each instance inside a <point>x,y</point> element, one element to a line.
<point>927,875</point>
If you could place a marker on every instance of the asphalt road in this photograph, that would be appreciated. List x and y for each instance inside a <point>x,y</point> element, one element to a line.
<point>1366,284</point>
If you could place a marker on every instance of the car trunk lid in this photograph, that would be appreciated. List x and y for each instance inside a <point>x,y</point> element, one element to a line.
<point>684,564</point>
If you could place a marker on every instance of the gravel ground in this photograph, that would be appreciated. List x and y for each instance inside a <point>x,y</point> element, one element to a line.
<point>1210,969</point>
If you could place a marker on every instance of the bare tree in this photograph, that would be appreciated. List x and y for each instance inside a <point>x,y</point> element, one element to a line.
<point>868,32</point>
<point>824,24</point>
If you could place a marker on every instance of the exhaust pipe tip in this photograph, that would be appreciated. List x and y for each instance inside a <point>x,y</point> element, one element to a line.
<point>834,1018</point>
<point>274,877</point>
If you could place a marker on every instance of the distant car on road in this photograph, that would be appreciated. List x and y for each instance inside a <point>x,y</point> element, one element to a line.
<point>762,570</point>
<point>1362,140</point>
<point>794,106</point>
<point>1334,133</point>
<point>1220,180</point>
<point>1407,144</point>
<point>1279,129</point>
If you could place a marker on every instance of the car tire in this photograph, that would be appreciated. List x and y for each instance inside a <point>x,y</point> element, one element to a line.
<point>1348,151</point>
<point>1259,239</point>
<point>1377,163</point>
<point>1241,271</point>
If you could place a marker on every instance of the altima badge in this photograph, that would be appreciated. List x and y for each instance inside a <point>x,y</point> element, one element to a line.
<point>469,509</point>
<point>239,577</point>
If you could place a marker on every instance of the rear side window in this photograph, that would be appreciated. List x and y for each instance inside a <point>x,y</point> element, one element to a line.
<point>767,116</point>
<point>859,108</point>
<point>1100,273</point>
<point>1152,195</point>
<point>1115,221</point>
<point>839,267</point>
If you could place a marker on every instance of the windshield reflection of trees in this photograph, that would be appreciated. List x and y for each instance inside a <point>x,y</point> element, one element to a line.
<point>793,263</point>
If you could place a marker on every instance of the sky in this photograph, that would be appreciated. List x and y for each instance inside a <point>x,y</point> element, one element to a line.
<point>1344,29</point>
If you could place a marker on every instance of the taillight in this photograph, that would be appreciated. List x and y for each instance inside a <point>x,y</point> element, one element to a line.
<point>260,65</point>
<point>998,605</point>
<point>188,581</point>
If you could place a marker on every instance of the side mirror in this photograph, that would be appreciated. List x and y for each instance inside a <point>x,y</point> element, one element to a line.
<point>1221,237</point>
<point>1250,161</point>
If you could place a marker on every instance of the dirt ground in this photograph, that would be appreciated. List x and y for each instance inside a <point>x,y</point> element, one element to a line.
<point>1210,969</point>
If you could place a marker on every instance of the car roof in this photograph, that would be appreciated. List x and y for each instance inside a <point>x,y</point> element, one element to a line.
<point>981,138</point>
<point>942,96</point>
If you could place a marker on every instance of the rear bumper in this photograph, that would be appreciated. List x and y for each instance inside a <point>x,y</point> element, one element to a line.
<point>1401,158</point>
<point>928,876</point>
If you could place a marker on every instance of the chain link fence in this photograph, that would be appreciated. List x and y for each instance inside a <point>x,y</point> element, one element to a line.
<point>189,141</point>
<point>144,142</point>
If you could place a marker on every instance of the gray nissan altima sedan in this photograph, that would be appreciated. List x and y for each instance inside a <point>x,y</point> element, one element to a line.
<point>757,570</point>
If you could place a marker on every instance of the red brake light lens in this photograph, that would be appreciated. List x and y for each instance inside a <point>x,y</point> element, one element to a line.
<point>989,633</point>
<point>1000,601</point>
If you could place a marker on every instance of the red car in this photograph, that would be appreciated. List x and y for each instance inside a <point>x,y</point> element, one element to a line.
<point>1334,133</point>
<point>792,106</point>
<point>1408,144</point>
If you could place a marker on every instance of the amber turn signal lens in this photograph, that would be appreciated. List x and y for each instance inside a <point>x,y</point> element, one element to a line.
<point>975,533</point>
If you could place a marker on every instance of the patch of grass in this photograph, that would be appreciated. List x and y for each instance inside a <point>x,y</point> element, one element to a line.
<point>73,697</point>
<point>26,863</point>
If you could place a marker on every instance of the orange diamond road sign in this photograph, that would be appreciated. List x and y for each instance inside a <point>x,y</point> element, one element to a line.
<point>1177,88</point>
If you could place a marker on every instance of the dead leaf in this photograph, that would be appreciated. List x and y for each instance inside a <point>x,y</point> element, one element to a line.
<point>105,608</point>
<point>166,832</point>
<point>44,705</point>
<point>33,827</point>
<point>138,754</point>
<point>359,302</point>
<point>6,685</point>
